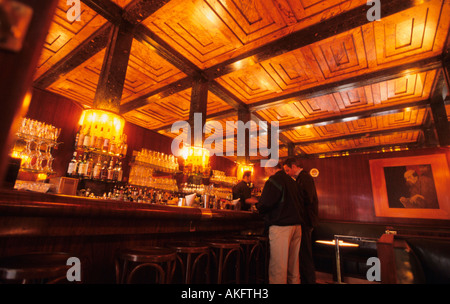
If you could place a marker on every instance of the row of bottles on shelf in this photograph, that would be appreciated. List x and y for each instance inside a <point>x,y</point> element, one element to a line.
<point>158,160</point>
<point>130,193</point>
<point>217,192</point>
<point>87,167</point>
<point>218,199</point>
<point>101,143</point>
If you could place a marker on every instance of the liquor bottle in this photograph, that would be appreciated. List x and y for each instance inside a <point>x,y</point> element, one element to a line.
<point>77,138</point>
<point>104,172</point>
<point>112,146</point>
<point>72,169</point>
<point>124,146</point>
<point>119,172</point>
<point>80,138</point>
<point>82,166</point>
<point>105,144</point>
<point>89,167</point>
<point>116,172</point>
<point>87,138</point>
<point>97,169</point>
<point>110,171</point>
<point>93,138</point>
<point>99,142</point>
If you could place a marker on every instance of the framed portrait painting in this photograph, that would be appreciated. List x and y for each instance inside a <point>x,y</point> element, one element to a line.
<point>411,187</point>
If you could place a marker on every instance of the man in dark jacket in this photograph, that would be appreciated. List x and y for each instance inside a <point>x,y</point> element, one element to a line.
<point>281,207</point>
<point>306,185</point>
<point>243,192</point>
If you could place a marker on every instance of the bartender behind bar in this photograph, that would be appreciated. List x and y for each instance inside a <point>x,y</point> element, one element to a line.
<point>243,192</point>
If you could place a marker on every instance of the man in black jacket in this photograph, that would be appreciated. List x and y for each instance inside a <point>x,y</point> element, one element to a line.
<point>281,207</point>
<point>306,185</point>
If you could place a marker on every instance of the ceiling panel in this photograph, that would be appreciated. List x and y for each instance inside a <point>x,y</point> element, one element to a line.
<point>65,36</point>
<point>411,118</point>
<point>370,142</point>
<point>208,32</point>
<point>407,89</point>
<point>366,49</point>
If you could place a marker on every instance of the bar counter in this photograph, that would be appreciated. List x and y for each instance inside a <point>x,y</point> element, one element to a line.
<point>93,229</point>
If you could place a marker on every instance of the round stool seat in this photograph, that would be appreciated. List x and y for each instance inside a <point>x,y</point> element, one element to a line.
<point>224,244</point>
<point>35,266</point>
<point>188,247</point>
<point>162,260</point>
<point>245,240</point>
<point>147,254</point>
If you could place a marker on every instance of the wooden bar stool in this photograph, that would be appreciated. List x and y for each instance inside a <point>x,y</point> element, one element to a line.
<point>189,255</point>
<point>160,260</point>
<point>222,251</point>
<point>251,250</point>
<point>264,241</point>
<point>35,268</point>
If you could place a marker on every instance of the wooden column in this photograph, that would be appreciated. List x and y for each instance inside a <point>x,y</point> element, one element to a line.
<point>244,116</point>
<point>385,249</point>
<point>114,69</point>
<point>291,149</point>
<point>199,104</point>
<point>437,104</point>
<point>16,77</point>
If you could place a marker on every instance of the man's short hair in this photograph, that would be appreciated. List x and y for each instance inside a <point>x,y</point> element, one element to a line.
<point>292,161</point>
<point>247,174</point>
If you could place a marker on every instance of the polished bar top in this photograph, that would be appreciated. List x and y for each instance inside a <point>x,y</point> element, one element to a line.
<point>25,203</point>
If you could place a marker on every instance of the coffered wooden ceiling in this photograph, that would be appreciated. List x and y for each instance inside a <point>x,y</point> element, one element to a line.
<point>334,81</point>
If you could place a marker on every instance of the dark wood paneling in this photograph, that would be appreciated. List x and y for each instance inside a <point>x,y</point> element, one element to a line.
<point>345,190</point>
<point>62,113</point>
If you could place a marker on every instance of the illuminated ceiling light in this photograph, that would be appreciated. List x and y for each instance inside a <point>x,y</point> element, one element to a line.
<point>105,124</point>
<point>241,168</point>
<point>196,160</point>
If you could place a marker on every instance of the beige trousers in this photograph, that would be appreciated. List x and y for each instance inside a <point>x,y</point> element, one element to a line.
<point>284,254</point>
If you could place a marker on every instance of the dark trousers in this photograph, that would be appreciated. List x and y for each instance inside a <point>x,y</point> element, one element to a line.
<point>307,269</point>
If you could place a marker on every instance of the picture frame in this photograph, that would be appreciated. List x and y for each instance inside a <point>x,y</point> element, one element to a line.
<point>411,187</point>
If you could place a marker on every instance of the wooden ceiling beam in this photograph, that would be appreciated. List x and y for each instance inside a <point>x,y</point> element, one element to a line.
<point>381,111</point>
<point>158,94</point>
<point>283,138</point>
<point>218,90</point>
<point>139,10</point>
<point>107,9</point>
<point>165,51</point>
<point>360,151</point>
<point>325,29</point>
<point>422,65</point>
<point>114,69</point>
<point>360,135</point>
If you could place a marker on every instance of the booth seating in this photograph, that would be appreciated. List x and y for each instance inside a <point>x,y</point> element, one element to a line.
<point>35,268</point>
<point>418,257</point>
<point>433,255</point>
<point>157,263</point>
<point>353,260</point>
